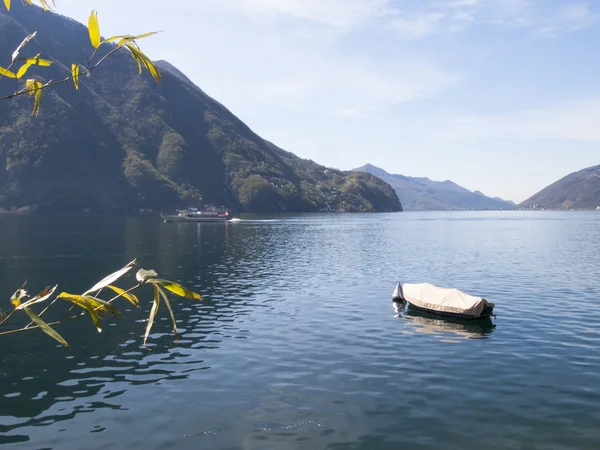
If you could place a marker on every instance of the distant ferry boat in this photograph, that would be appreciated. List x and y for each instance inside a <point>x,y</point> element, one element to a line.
<point>194,215</point>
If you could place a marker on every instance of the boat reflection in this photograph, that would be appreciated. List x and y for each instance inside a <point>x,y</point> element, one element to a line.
<point>423,322</point>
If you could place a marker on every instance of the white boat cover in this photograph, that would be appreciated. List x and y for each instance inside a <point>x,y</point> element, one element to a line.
<point>428,296</point>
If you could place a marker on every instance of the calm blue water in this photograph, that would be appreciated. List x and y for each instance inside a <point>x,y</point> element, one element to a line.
<point>297,344</point>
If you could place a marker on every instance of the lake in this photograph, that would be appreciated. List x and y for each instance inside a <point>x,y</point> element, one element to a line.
<point>297,344</point>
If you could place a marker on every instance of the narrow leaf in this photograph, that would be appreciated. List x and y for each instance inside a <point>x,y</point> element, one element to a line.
<point>110,279</point>
<point>164,296</point>
<point>37,101</point>
<point>7,4</point>
<point>152,315</point>
<point>176,288</point>
<point>22,44</point>
<point>93,305</point>
<point>19,294</point>
<point>94,29</point>
<point>141,58</point>
<point>46,328</point>
<point>41,297</point>
<point>75,75</point>
<point>7,73</point>
<point>23,69</point>
<point>38,61</point>
<point>126,295</point>
<point>124,39</point>
<point>45,4</point>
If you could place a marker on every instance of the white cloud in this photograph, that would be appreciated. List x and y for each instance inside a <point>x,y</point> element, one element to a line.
<point>343,87</point>
<point>344,14</point>
<point>410,20</point>
<point>576,121</point>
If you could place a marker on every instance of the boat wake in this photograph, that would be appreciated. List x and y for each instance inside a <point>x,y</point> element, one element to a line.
<point>236,220</point>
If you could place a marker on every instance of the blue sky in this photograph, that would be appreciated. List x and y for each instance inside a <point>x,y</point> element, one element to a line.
<point>502,96</point>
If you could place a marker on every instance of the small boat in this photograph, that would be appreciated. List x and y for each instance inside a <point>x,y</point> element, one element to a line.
<point>194,215</point>
<point>442,301</point>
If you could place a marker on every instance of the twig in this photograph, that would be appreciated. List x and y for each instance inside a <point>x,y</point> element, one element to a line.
<point>85,71</point>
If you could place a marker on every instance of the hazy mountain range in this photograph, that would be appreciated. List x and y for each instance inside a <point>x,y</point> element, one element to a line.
<point>578,190</point>
<point>124,142</point>
<point>423,194</point>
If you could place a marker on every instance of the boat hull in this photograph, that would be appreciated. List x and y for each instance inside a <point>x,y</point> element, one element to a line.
<point>195,219</point>
<point>486,313</point>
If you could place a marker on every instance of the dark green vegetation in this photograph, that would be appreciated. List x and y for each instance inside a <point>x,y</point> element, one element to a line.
<point>578,190</point>
<point>123,142</point>
<point>423,194</point>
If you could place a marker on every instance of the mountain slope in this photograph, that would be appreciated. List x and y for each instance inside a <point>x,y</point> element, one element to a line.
<point>123,142</point>
<point>578,190</point>
<point>423,194</point>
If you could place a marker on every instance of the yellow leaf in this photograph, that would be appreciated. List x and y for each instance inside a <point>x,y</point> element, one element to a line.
<point>15,299</point>
<point>152,315</point>
<point>124,39</point>
<point>46,328</point>
<point>141,58</point>
<point>134,54</point>
<point>7,4</point>
<point>37,60</point>
<point>36,102</point>
<point>126,295</point>
<point>75,75</point>
<point>31,85</point>
<point>7,73</point>
<point>93,305</point>
<point>175,288</point>
<point>166,300</point>
<point>94,29</point>
<point>23,69</point>
<point>44,4</point>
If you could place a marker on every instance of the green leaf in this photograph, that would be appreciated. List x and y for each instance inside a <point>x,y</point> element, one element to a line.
<point>152,315</point>
<point>110,279</point>
<point>46,328</point>
<point>126,295</point>
<point>75,75</point>
<point>94,29</point>
<point>164,296</point>
<point>22,44</point>
<point>176,288</point>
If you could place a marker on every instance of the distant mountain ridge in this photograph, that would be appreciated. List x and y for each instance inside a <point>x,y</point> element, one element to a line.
<point>123,142</point>
<point>423,194</point>
<point>578,190</point>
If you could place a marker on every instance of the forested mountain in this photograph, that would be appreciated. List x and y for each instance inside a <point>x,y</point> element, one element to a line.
<point>423,194</point>
<point>578,190</point>
<point>124,142</point>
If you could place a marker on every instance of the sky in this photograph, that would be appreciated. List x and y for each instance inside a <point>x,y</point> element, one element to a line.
<point>501,96</point>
